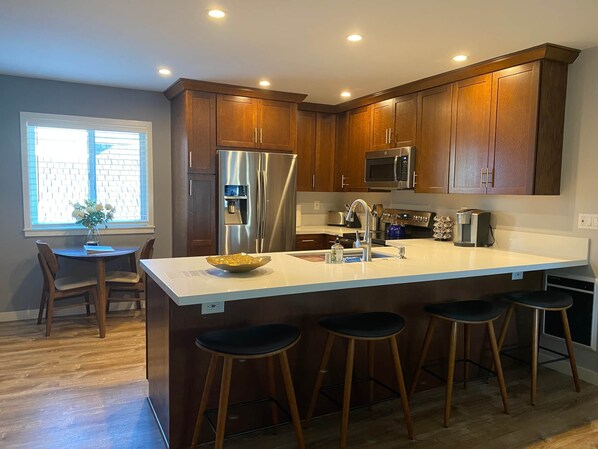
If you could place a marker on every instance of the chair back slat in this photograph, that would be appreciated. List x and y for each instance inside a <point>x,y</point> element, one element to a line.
<point>49,257</point>
<point>45,271</point>
<point>148,249</point>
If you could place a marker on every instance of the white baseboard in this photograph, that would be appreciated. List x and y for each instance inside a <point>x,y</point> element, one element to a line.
<point>562,366</point>
<point>31,314</point>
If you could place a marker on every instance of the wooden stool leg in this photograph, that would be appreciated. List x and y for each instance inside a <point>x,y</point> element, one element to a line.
<point>42,305</point>
<point>227,371</point>
<point>569,343</point>
<point>288,384</point>
<point>272,388</point>
<point>347,393</point>
<point>450,377</point>
<point>535,345</point>
<point>319,380</point>
<point>505,326</point>
<point>371,372</point>
<point>422,356</point>
<point>402,390</point>
<point>205,396</point>
<point>498,366</point>
<point>466,351</point>
<point>138,297</point>
<point>87,310</point>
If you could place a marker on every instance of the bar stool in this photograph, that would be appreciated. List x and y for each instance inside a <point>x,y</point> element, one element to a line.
<point>255,342</point>
<point>467,313</point>
<point>542,300</point>
<point>369,327</point>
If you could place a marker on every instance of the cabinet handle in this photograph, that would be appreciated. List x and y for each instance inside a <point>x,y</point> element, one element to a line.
<point>482,177</point>
<point>254,135</point>
<point>390,133</point>
<point>190,188</point>
<point>414,178</point>
<point>261,133</point>
<point>313,182</point>
<point>488,174</point>
<point>307,240</point>
<point>190,159</point>
<point>343,183</point>
<point>386,135</point>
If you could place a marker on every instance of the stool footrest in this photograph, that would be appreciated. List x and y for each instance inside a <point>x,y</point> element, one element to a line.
<point>358,381</point>
<point>527,362</point>
<point>490,372</point>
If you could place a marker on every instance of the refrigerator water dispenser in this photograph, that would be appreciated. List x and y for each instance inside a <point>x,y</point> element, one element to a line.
<point>235,199</point>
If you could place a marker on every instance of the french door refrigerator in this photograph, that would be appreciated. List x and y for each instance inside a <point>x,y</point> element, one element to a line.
<point>256,201</point>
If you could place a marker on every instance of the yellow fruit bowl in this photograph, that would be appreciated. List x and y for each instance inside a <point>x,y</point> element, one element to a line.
<point>238,263</point>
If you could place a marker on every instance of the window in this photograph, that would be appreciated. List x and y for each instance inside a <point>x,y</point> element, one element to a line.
<point>67,159</point>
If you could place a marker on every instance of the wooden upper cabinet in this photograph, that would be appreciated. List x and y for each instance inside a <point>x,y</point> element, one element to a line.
<point>359,136</point>
<point>513,129</point>
<point>470,134</point>
<point>237,121</point>
<point>382,123</point>
<point>433,139</point>
<point>405,121</point>
<point>315,151</point>
<point>306,144</point>
<point>277,125</point>
<point>244,122</point>
<point>201,225</point>
<point>200,126</point>
<point>340,153</point>
<point>325,152</point>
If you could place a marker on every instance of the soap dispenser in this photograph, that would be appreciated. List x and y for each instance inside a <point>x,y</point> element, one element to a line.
<point>337,252</point>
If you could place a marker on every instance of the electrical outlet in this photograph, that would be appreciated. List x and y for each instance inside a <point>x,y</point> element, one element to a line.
<point>587,221</point>
<point>517,276</point>
<point>316,205</point>
<point>212,307</point>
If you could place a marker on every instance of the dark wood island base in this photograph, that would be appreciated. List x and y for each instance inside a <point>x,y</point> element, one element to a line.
<point>177,369</point>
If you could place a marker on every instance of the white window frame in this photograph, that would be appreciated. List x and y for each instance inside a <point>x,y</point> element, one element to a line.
<point>80,122</point>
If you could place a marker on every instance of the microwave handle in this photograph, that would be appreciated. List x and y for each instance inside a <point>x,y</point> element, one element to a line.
<point>395,168</point>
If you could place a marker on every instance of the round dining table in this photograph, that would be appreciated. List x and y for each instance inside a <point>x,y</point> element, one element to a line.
<point>100,259</point>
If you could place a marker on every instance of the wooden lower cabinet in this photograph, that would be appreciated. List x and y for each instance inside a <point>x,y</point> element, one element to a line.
<point>308,242</point>
<point>201,226</point>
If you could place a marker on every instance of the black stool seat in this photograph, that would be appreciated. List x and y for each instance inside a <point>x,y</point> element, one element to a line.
<point>476,311</point>
<point>542,299</point>
<point>249,341</point>
<point>365,325</point>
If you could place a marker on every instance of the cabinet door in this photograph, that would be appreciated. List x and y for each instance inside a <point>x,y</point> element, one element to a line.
<point>277,125</point>
<point>340,153</point>
<point>358,142</point>
<point>201,227</point>
<point>306,149</point>
<point>200,125</point>
<point>470,134</point>
<point>325,152</point>
<point>513,127</point>
<point>237,121</point>
<point>382,123</point>
<point>433,140</point>
<point>404,133</point>
<point>308,242</point>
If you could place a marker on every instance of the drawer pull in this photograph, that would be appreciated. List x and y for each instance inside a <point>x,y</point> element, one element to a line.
<point>307,240</point>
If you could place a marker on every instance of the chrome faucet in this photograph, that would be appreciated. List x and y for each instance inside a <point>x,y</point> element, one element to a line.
<point>366,243</point>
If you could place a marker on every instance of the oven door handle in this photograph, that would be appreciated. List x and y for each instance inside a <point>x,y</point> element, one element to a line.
<point>396,163</point>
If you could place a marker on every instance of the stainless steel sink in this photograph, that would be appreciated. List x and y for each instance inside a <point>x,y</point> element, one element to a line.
<point>351,255</point>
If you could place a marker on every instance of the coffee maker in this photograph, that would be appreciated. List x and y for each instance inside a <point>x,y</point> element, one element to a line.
<point>473,226</point>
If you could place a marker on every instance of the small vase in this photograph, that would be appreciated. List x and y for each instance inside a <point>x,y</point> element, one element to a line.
<point>93,237</point>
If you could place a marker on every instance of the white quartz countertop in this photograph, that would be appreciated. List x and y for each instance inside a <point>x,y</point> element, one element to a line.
<point>191,280</point>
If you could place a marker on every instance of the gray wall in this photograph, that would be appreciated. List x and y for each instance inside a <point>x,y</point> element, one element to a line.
<point>20,277</point>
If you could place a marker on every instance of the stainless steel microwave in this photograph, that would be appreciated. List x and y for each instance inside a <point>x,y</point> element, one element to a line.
<point>390,169</point>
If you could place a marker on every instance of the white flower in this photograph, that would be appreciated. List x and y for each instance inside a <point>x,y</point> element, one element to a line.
<point>109,206</point>
<point>89,209</point>
<point>99,206</point>
<point>75,214</point>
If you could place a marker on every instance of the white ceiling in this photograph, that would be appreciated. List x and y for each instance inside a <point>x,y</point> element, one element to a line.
<point>299,45</point>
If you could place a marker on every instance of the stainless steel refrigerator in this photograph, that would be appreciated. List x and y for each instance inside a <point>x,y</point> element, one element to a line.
<point>256,201</point>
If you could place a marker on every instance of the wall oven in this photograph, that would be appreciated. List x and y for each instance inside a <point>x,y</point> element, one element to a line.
<point>390,169</point>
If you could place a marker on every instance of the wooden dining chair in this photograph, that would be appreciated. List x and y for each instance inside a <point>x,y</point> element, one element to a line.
<point>130,281</point>
<point>57,288</point>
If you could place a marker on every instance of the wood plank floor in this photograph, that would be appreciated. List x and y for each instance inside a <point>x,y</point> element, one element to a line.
<point>74,390</point>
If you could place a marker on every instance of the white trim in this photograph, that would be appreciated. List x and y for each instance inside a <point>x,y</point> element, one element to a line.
<point>81,122</point>
<point>83,231</point>
<point>31,314</point>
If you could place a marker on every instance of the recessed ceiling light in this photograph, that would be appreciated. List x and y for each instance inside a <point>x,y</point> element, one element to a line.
<point>164,71</point>
<point>460,58</point>
<point>216,13</point>
<point>354,37</point>
<point>345,94</point>
<point>264,83</point>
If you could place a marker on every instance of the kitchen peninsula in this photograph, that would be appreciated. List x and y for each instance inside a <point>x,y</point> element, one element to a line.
<point>297,291</point>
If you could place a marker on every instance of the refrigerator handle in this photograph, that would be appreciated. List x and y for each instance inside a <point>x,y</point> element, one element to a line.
<point>264,209</point>
<point>258,203</point>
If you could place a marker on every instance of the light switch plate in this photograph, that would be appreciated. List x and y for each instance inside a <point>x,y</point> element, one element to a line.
<point>212,307</point>
<point>587,221</point>
<point>316,205</point>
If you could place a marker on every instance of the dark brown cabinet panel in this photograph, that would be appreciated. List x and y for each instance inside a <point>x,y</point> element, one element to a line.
<point>325,151</point>
<point>237,122</point>
<point>358,142</point>
<point>340,154</point>
<point>201,226</point>
<point>306,144</point>
<point>277,125</point>
<point>382,124</point>
<point>316,134</point>
<point>513,126</point>
<point>405,121</point>
<point>308,242</point>
<point>470,134</point>
<point>201,129</point>
<point>433,139</point>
